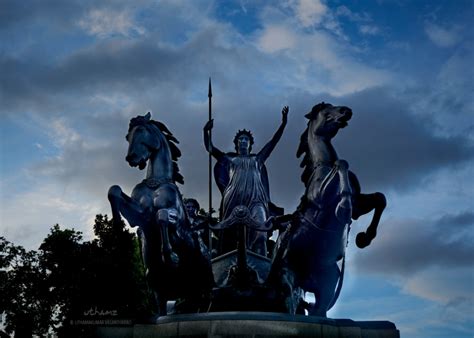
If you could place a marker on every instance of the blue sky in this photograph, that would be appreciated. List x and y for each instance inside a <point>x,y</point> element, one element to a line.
<point>74,73</point>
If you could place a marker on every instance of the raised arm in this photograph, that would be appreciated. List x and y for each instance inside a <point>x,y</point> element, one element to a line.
<point>216,153</point>
<point>267,150</point>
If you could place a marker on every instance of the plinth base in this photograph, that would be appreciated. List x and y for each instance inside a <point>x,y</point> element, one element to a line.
<point>255,324</point>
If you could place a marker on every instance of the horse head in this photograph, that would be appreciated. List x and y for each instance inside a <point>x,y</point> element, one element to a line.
<point>326,119</point>
<point>141,141</point>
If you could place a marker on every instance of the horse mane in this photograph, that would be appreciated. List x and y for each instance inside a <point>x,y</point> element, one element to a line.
<point>306,163</point>
<point>175,152</point>
<point>303,147</point>
<point>170,139</point>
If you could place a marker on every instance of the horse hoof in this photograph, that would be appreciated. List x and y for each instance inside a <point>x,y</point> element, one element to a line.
<point>362,240</point>
<point>114,191</point>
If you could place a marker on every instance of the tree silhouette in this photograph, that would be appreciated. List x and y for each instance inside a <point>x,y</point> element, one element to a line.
<point>24,291</point>
<point>66,277</point>
<point>105,274</point>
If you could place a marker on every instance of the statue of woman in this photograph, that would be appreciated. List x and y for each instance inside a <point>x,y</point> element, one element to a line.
<point>242,179</point>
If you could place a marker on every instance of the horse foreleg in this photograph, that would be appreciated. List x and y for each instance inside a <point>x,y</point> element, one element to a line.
<point>291,293</point>
<point>165,217</point>
<point>344,207</point>
<point>325,290</point>
<point>123,204</point>
<point>363,204</point>
<point>153,268</point>
<point>115,196</point>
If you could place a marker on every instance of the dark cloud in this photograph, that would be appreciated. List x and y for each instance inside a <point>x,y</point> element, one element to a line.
<point>25,13</point>
<point>458,221</point>
<point>160,78</point>
<point>52,14</point>
<point>389,147</point>
<point>132,67</point>
<point>405,247</point>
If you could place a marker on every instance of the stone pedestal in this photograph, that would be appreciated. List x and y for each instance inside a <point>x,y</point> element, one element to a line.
<point>256,324</point>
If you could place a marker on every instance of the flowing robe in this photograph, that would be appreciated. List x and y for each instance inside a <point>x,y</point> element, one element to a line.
<point>245,186</point>
<point>243,180</point>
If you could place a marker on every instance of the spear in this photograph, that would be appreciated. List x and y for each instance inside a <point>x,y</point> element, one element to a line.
<point>209,95</point>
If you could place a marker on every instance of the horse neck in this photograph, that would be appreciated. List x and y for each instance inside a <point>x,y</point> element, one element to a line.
<point>160,165</point>
<point>321,149</point>
<point>323,155</point>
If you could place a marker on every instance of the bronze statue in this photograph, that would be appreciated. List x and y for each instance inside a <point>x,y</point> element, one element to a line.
<point>192,208</point>
<point>171,255</point>
<point>199,224</point>
<point>317,235</point>
<point>241,177</point>
<point>311,242</point>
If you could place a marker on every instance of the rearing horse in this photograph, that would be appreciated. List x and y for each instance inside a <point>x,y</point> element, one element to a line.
<point>317,236</point>
<point>171,255</point>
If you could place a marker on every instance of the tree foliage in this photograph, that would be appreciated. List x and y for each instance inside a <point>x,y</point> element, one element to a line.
<point>24,291</point>
<point>66,277</point>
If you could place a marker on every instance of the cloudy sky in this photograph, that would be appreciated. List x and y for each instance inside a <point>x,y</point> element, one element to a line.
<point>72,74</point>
